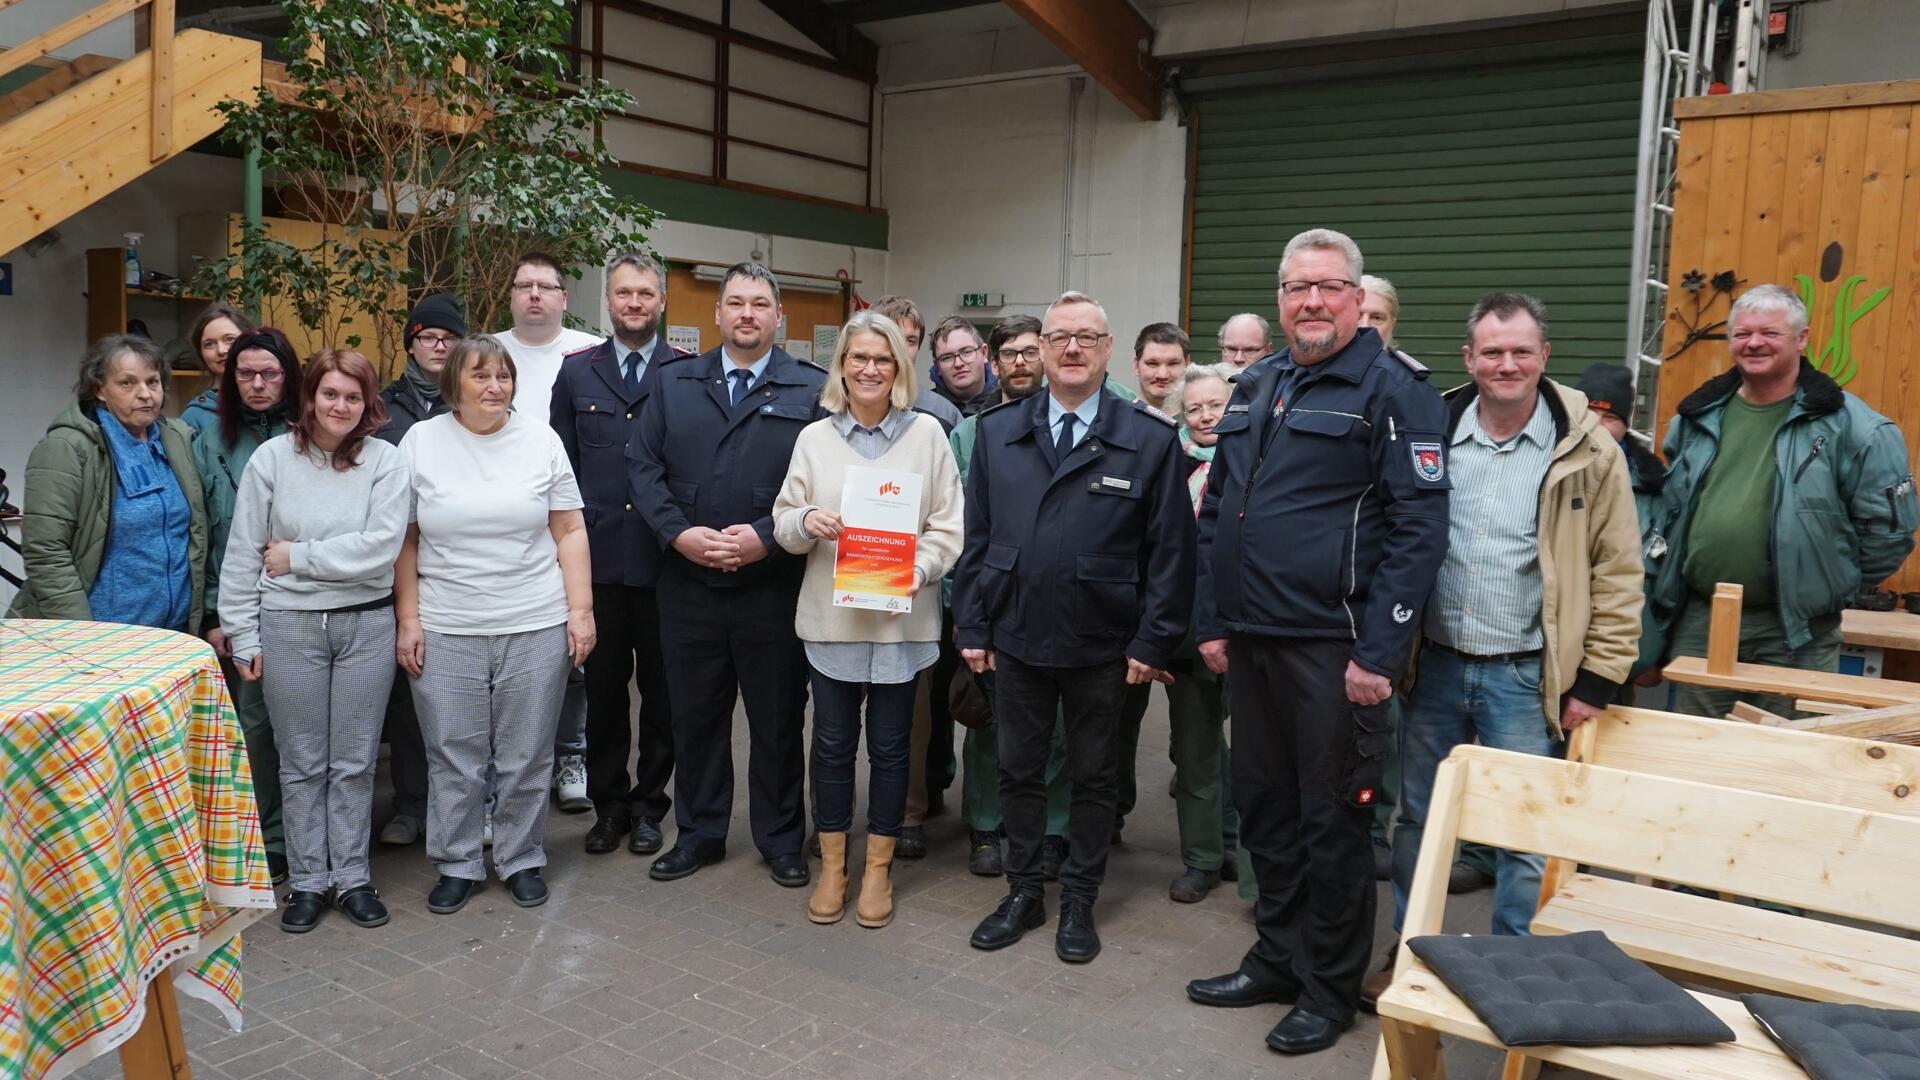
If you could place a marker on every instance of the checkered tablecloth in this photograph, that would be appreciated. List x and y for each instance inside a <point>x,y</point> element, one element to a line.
<point>129,840</point>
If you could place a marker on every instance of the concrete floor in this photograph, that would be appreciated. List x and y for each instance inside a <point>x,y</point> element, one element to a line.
<point>721,975</point>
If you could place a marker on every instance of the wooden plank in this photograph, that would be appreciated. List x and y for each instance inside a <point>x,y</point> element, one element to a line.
<point>158,1050</point>
<point>1895,724</point>
<point>1419,998</point>
<point>1881,629</point>
<point>1900,386</point>
<point>1740,945</point>
<point>1110,39</point>
<point>1794,683</point>
<point>160,33</point>
<point>1840,199</point>
<point>1827,858</point>
<point>1846,95</point>
<point>1723,628</point>
<point>1871,253</point>
<point>1686,250</point>
<point>1788,761</point>
<point>60,76</point>
<point>52,38</point>
<point>1800,241</point>
<point>1822,708</point>
<point>1766,199</point>
<point>1727,184</point>
<point>1754,714</point>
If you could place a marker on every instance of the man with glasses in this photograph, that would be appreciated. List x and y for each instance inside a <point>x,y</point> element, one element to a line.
<point>596,400</point>
<point>538,341</point>
<point>961,372</point>
<point>1323,526</point>
<point>1245,338</point>
<point>1014,345</point>
<point>433,327</point>
<point>1075,583</point>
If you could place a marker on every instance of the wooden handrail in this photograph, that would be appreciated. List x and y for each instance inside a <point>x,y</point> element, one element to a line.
<point>160,15</point>
<point>39,45</point>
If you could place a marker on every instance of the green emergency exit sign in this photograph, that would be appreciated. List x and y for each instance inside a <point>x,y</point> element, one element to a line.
<point>982,299</point>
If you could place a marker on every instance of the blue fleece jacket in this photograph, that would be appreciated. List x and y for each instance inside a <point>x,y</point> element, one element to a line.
<point>145,576</point>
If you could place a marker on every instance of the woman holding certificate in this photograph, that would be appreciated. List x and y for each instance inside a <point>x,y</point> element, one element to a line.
<point>873,500</point>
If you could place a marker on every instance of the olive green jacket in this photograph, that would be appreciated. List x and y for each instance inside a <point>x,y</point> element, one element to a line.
<point>68,509</point>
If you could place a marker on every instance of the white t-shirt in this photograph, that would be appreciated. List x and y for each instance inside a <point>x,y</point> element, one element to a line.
<point>488,564</point>
<point>537,366</point>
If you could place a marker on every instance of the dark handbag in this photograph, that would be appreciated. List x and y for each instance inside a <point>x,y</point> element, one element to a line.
<point>970,697</point>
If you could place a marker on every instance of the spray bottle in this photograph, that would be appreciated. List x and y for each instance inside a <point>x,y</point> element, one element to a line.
<point>134,277</point>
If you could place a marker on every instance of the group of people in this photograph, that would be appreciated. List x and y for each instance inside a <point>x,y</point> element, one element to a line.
<point>1336,572</point>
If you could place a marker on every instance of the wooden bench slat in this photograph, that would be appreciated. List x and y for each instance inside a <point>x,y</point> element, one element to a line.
<point>1767,950</point>
<point>1419,997</point>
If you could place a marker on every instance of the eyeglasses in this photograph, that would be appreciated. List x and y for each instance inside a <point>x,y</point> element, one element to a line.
<point>267,378</point>
<point>1330,288</point>
<point>950,357</point>
<point>877,363</point>
<point>434,341</point>
<point>1030,354</point>
<point>525,288</point>
<point>1086,339</point>
<point>1243,350</point>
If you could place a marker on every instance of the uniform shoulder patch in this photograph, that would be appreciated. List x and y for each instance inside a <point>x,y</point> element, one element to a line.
<point>1141,405</point>
<point>1420,370</point>
<point>582,351</point>
<point>811,364</point>
<point>997,408</point>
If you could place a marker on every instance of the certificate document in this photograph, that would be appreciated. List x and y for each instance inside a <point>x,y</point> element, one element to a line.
<point>880,519</point>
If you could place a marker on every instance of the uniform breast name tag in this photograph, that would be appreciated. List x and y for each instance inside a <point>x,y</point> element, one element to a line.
<point>1117,483</point>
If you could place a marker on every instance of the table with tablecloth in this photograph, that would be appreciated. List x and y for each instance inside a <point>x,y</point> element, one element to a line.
<point>129,840</point>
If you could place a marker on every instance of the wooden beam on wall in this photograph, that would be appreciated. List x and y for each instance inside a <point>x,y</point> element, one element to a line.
<point>1109,39</point>
<point>842,40</point>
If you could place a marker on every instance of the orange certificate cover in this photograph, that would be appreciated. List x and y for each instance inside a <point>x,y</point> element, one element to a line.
<point>873,563</point>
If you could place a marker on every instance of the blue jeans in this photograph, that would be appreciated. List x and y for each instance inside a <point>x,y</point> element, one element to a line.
<point>836,738</point>
<point>1455,701</point>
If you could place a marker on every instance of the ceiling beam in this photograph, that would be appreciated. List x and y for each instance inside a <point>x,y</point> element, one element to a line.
<point>1109,39</point>
<point>815,19</point>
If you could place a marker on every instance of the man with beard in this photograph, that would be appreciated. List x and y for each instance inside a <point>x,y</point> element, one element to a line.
<point>1014,347</point>
<point>596,402</point>
<point>707,458</point>
<point>1321,531</point>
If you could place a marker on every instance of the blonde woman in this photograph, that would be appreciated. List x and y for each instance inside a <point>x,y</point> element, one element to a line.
<point>857,654</point>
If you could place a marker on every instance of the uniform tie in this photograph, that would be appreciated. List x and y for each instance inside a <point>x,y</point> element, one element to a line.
<point>633,373</point>
<point>1064,444</point>
<point>741,378</point>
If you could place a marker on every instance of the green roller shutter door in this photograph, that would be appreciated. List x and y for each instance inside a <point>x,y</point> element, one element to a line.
<point>1454,184</point>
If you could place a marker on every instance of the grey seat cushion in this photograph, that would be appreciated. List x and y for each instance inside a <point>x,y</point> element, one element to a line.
<point>1841,1042</point>
<point>1567,990</point>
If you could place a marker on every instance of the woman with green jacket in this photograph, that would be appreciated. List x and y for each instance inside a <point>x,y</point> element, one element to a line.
<point>115,525</point>
<point>259,391</point>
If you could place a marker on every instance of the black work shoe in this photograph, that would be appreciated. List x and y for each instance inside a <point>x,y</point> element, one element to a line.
<point>276,867</point>
<point>1237,990</point>
<point>985,858</point>
<point>527,887</point>
<point>645,838</point>
<point>1230,864</point>
<point>789,870</point>
<point>303,911</point>
<point>1193,886</point>
<point>1016,915</point>
<point>362,905</point>
<point>451,894</point>
<point>1076,941</point>
<point>1053,852</point>
<point>1466,878</point>
<point>605,835</point>
<point>912,843</point>
<point>678,863</point>
<point>1302,1032</point>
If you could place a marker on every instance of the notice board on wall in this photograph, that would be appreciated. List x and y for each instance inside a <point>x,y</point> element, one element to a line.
<point>691,301</point>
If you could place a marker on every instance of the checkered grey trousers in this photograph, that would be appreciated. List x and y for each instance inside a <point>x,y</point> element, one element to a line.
<point>480,697</point>
<point>326,678</point>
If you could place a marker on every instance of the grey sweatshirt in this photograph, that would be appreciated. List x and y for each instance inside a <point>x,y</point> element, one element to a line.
<point>346,529</point>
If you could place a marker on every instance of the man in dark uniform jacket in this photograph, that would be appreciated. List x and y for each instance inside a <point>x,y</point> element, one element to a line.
<point>434,327</point>
<point>1076,582</point>
<point>595,408</point>
<point>1323,526</point>
<point>704,465</point>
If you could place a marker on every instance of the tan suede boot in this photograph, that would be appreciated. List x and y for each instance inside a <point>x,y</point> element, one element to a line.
<point>829,899</point>
<point>875,906</point>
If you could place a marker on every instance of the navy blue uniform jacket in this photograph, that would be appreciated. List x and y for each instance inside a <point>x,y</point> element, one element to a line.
<point>1075,563</point>
<point>695,459</point>
<point>1329,519</point>
<point>596,419</point>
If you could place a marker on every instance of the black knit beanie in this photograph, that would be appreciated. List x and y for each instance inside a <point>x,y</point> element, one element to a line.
<point>439,311</point>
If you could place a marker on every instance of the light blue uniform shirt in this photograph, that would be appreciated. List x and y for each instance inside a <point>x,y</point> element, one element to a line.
<point>1486,599</point>
<point>1084,415</point>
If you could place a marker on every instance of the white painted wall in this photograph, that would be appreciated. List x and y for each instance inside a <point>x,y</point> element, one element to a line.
<point>976,180</point>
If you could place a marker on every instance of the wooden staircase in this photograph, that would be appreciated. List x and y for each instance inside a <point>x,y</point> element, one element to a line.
<point>102,129</point>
